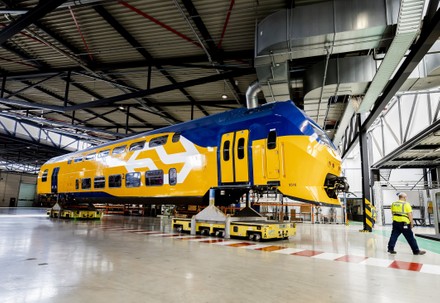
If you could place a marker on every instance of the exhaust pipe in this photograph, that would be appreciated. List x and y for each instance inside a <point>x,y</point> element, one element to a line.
<point>251,94</point>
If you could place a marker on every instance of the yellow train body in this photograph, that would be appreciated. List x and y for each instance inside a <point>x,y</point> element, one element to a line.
<point>232,152</point>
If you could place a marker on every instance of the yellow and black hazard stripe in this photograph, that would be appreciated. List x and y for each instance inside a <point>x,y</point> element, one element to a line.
<point>369,220</point>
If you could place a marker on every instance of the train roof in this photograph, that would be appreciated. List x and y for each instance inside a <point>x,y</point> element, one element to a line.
<point>210,125</point>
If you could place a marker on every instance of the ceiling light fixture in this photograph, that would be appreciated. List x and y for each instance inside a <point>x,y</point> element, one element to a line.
<point>224,96</point>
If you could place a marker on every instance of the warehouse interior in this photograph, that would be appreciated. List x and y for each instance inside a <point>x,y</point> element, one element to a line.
<point>80,74</point>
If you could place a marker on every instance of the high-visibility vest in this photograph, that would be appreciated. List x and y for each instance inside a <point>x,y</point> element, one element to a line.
<point>399,213</point>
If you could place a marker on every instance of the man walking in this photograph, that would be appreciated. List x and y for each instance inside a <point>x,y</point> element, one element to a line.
<point>403,224</point>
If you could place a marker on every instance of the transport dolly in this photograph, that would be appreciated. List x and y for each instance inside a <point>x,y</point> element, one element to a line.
<point>249,224</point>
<point>252,230</point>
<point>78,211</point>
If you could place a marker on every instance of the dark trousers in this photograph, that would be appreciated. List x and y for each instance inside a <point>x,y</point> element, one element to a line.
<point>405,229</point>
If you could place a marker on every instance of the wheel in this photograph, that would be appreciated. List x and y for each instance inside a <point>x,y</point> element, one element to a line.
<point>257,237</point>
<point>204,232</point>
<point>179,229</point>
<point>251,237</point>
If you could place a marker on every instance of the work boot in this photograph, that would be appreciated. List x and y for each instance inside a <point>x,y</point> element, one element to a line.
<point>420,252</point>
<point>393,252</point>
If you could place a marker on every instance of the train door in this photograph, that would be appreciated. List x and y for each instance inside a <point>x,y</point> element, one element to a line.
<point>234,157</point>
<point>54,180</point>
<point>272,156</point>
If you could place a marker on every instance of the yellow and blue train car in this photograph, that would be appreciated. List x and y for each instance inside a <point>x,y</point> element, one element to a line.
<point>275,146</point>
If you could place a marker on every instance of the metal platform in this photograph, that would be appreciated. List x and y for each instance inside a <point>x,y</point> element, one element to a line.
<point>429,236</point>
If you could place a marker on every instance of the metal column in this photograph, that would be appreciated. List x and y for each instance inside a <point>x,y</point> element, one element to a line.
<point>365,167</point>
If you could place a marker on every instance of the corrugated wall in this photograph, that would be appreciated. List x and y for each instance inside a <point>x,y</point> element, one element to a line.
<point>10,186</point>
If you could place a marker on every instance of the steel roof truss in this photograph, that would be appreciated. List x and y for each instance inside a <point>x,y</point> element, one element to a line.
<point>213,50</point>
<point>137,46</point>
<point>30,85</point>
<point>43,8</point>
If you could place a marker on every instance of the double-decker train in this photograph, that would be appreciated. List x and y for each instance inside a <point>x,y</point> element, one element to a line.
<point>272,147</point>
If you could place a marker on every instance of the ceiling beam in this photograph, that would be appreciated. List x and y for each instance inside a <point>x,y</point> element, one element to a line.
<point>184,61</point>
<point>30,61</point>
<point>213,50</point>
<point>219,102</point>
<point>425,147</point>
<point>30,85</point>
<point>60,98</point>
<point>415,160</point>
<point>161,89</point>
<point>428,36</point>
<point>42,9</point>
<point>141,93</point>
<point>141,50</point>
<point>410,144</point>
<point>195,17</point>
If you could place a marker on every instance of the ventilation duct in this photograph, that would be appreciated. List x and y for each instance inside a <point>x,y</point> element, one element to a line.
<point>338,27</point>
<point>408,26</point>
<point>251,94</point>
<point>344,76</point>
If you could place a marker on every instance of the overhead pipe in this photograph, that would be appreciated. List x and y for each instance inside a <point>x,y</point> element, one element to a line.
<point>22,11</point>
<point>251,94</point>
<point>225,25</point>
<point>81,34</point>
<point>210,59</point>
<point>151,18</point>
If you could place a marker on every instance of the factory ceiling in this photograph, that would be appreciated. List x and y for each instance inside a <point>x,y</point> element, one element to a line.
<point>98,70</point>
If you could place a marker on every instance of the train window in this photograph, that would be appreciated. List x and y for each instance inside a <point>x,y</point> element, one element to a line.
<point>272,139</point>
<point>137,146</point>
<point>86,183</point>
<point>69,161</point>
<point>176,138</point>
<point>104,153</point>
<point>91,156</point>
<point>133,179</point>
<point>323,138</point>
<point>240,148</point>
<point>154,177</point>
<point>79,159</point>
<point>114,181</point>
<point>44,175</point>
<point>118,150</point>
<point>99,182</point>
<point>162,140</point>
<point>226,148</point>
<point>172,176</point>
<point>77,184</point>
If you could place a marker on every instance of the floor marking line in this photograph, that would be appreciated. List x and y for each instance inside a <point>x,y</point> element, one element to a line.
<point>355,259</point>
<point>307,253</point>
<point>413,266</point>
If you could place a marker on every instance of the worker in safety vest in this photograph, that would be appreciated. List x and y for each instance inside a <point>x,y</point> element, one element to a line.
<point>403,224</point>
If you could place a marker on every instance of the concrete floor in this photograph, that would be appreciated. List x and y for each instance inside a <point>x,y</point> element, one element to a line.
<point>117,260</point>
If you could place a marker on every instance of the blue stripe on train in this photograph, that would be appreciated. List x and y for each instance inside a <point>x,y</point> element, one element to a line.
<point>284,116</point>
<point>84,195</point>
